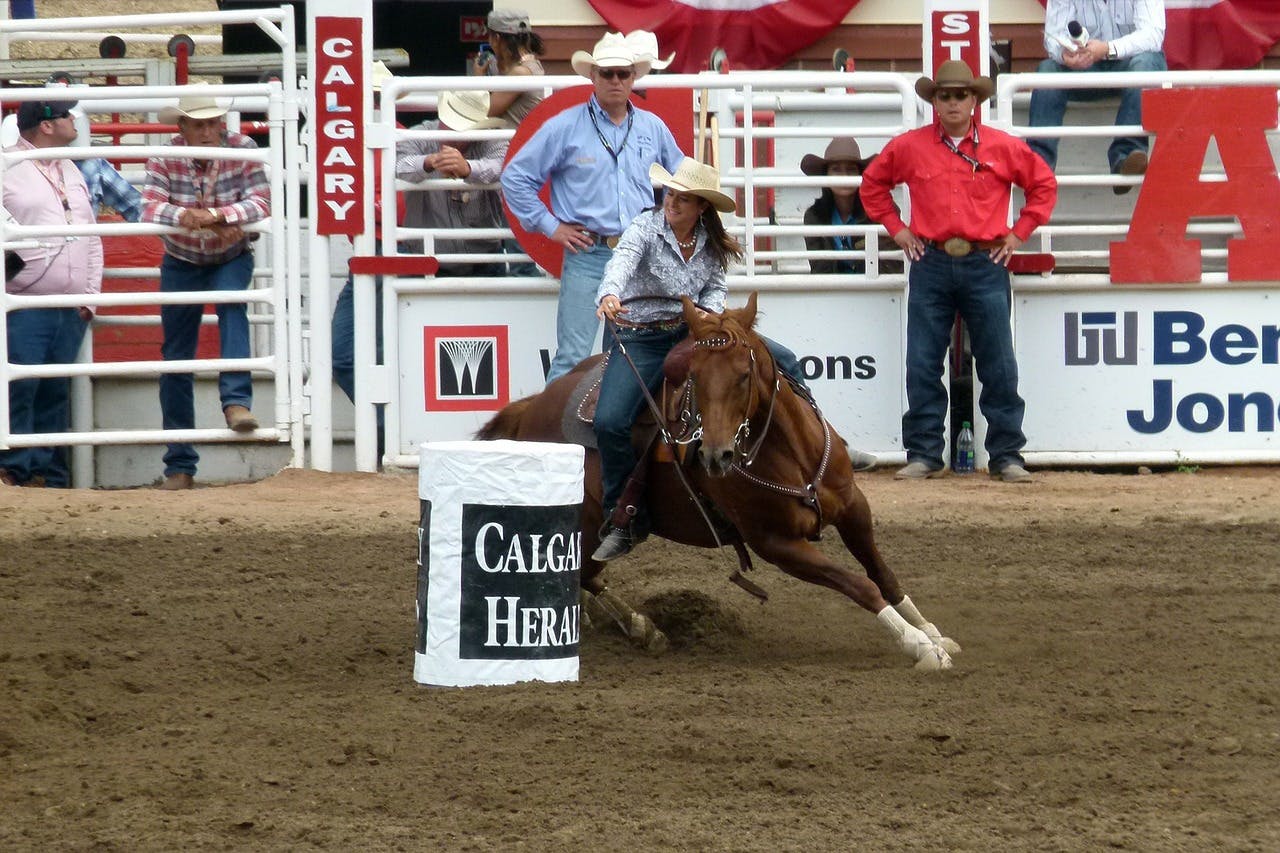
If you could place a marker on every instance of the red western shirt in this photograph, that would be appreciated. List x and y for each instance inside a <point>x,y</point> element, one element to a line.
<point>949,197</point>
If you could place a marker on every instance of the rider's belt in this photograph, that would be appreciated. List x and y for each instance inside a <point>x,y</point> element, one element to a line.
<point>958,247</point>
<point>656,326</point>
<point>610,240</point>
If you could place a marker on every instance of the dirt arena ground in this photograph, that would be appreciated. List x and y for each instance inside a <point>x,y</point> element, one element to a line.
<point>231,668</point>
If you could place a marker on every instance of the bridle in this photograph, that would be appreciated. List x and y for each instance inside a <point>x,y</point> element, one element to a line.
<point>744,456</point>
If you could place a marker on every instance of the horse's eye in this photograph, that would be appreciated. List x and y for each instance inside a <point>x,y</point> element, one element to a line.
<point>744,379</point>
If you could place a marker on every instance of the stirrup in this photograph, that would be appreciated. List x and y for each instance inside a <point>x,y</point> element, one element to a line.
<point>616,543</point>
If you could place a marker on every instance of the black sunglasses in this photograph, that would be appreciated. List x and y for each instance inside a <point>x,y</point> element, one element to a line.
<point>615,73</point>
<point>953,94</point>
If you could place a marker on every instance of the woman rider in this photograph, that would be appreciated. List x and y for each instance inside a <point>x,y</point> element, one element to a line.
<point>681,249</point>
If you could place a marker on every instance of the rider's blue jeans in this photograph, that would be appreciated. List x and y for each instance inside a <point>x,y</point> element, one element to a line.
<point>978,288</point>
<point>621,398</point>
<point>1049,106</point>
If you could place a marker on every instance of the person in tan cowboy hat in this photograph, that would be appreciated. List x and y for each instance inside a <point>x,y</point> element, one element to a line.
<point>959,174</point>
<point>597,157</point>
<point>680,249</point>
<point>839,206</point>
<point>211,200</point>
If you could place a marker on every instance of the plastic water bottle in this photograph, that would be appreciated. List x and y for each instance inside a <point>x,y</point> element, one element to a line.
<point>964,450</point>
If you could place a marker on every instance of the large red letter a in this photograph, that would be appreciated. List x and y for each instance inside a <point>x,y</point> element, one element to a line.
<point>1156,249</point>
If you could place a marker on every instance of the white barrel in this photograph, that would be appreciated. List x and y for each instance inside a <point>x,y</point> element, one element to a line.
<point>499,561</point>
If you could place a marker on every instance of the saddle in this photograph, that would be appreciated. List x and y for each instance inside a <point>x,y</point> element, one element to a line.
<point>581,411</point>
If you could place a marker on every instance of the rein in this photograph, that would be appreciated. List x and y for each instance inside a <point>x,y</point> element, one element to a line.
<point>807,494</point>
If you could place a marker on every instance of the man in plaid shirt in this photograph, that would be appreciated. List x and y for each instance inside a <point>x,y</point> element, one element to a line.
<point>210,200</point>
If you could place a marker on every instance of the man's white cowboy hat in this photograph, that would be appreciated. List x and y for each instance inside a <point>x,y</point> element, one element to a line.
<point>612,51</point>
<point>197,106</point>
<point>644,45</point>
<point>696,179</point>
<point>466,110</point>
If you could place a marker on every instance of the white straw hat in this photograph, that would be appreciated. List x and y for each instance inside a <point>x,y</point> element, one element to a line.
<point>196,106</point>
<point>466,110</point>
<point>612,51</point>
<point>644,45</point>
<point>696,179</point>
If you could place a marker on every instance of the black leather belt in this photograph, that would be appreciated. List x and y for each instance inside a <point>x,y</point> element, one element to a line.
<point>610,240</point>
<point>958,247</point>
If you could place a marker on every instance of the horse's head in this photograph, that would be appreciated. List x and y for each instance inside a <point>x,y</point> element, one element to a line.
<point>732,372</point>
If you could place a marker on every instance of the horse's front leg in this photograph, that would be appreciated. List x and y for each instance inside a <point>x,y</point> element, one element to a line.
<point>800,559</point>
<point>854,526</point>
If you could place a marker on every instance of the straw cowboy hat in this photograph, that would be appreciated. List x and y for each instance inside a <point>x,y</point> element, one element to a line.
<point>696,179</point>
<point>954,74</point>
<point>612,51</point>
<point>840,150</point>
<point>379,73</point>
<point>198,106</point>
<point>466,111</point>
<point>644,45</point>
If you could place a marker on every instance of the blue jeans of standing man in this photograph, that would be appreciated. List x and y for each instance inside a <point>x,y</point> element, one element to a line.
<point>181,325</point>
<point>976,286</point>
<point>1049,106</point>
<point>344,346</point>
<point>41,336</point>
<point>576,321</point>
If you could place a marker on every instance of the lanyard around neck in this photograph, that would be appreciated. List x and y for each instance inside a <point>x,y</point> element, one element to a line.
<point>972,161</point>
<point>631,115</point>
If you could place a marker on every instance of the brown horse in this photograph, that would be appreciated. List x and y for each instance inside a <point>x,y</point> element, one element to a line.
<point>768,463</point>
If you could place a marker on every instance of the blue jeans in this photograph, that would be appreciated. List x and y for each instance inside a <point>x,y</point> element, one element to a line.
<point>181,325</point>
<point>576,321</point>
<point>621,399</point>
<point>344,346</point>
<point>977,287</point>
<point>41,336</point>
<point>1049,106</point>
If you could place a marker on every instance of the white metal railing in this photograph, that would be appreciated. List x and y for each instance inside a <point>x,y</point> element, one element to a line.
<point>279,100</point>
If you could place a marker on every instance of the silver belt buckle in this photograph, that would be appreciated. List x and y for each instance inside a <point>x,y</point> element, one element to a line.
<point>611,242</point>
<point>957,247</point>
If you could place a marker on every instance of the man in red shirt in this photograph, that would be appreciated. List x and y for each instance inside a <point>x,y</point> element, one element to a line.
<point>959,174</point>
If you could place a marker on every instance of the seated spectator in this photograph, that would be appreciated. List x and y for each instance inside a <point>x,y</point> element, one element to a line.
<point>839,206</point>
<point>1126,36</point>
<point>516,49</point>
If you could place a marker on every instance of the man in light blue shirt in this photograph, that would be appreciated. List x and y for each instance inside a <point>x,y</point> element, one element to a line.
<point>1099,35</point>
<point>597,158</point>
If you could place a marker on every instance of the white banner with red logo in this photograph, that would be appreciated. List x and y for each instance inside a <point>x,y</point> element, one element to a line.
<point>755,34</point>
<point>1205,34</point>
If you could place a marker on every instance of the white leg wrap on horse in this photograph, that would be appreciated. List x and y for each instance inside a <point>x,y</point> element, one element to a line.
<point>907,608</point>
<point>914,643</point>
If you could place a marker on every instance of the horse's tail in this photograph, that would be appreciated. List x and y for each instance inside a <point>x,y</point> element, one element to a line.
<point>505,424</point>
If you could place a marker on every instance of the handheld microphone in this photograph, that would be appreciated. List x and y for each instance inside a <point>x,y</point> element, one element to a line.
<point>1079,36</point>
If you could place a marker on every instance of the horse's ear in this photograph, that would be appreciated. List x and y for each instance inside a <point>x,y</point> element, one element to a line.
<point>749,311</point>
<point>692,316</point>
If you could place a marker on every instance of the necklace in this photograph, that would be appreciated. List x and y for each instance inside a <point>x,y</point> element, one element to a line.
<point>693,240</point>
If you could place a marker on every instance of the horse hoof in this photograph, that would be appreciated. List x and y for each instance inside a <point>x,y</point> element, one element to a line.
<point>647,636</point>
<point>935,659</point>
<point>949,646</point>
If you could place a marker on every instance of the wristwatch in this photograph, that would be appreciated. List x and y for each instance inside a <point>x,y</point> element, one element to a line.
<point>1111,51</point>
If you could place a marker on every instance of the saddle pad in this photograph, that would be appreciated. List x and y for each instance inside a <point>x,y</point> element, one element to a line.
<point>575,424</point>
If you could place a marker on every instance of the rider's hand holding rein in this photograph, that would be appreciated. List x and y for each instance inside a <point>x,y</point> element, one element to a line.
<point>610,308</point>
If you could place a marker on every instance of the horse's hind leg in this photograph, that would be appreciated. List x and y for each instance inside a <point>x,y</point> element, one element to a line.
<point>854,526</point>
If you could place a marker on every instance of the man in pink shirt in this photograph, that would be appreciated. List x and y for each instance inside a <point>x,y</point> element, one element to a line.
<point>53,193</point>
<point>959,174</point>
